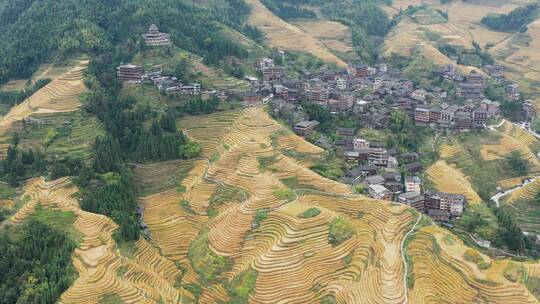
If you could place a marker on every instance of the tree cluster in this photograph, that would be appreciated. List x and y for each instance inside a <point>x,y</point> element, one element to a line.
<point>20,163</point>
<point>366,20</point>
<point>35,263</point>
<point>512,21</point>
<point>288,11</point>
<point>12,98</point>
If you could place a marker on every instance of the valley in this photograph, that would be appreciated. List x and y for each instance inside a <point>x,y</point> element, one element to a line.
<point>268,151</point>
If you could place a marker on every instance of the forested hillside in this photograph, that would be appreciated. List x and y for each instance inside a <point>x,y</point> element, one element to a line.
<point>37,31</point>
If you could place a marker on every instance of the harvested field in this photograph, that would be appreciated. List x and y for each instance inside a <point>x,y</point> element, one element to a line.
<point>236,213</point>
<point>409,36</point>
<point>229,211</point>
<point>333,35</point>
<point>512,182</point>
<point>512,138</point>
<point>142,277</point>
<point>526,193</point>
<point>13,85</point>
<point>447,178</point>
<point>464,281</point>
<point>283,35</point>
<point>59,96</point>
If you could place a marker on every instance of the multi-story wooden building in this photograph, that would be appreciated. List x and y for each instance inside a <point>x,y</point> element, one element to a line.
<point>154,38</point>
<point>130,73</point>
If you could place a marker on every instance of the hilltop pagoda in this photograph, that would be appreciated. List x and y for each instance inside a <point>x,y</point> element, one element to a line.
<point>154,38</point>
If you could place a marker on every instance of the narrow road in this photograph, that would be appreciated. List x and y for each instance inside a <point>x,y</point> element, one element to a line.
<point>495,198</point>
<point>405,288</point>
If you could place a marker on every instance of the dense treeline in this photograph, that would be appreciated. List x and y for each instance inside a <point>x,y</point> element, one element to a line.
<point>117,199</point>
<point>515,20</point>
<point>35,263</point>
<point>288,11</point>
<point>511,235</point>
<point>21,163</point>
<point>472,57</point>
<point>37,31</point>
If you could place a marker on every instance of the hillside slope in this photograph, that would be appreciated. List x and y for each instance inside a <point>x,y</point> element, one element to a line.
<point>246,222</point>
<point>286,36</point>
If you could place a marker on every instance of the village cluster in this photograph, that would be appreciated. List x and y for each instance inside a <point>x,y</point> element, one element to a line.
<point>376,167</point>
<point>372,93</point>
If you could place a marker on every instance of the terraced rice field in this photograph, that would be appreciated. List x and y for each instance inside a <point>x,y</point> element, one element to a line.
<point>409,36</point>
<point>524,205</point>
<point>59,96</point>
<point>286,36</point>
<point>140,277</point>
<point>447,178</point>
<point>512,138</point>
<point>450,278</point>
<point>257,230</point>
<point>230,227</point>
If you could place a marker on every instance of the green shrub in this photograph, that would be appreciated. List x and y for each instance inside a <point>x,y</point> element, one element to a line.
<point>205,262</point>
<point>311,212</point>
<point>340,230</point>
<point>243,284</point>
<point>284,194</point>
<point>483,265</point>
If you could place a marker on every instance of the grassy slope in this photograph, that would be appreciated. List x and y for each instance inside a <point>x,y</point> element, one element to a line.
<point>283,35</point>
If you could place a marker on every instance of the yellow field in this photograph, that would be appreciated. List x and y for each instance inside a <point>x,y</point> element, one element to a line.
<point>408,37</point>
<point>463,27</point>
<point>286,36</point>
<point>447,178</point>
<point>526,193</point>
<point>60,95</point>
<point>521,56</point>
<point>452,279</point>
<point>333,35</point>
<point>512,182</point>
<point>13,85</point>
<point>512,139</point>
<point>290,255</point>
<point>142,276</point>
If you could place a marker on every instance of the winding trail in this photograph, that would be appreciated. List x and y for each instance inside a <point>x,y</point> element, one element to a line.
<point>402,251</point>
<point>495,198</point>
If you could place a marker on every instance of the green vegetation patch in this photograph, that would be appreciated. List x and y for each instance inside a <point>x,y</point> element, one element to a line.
<point>330,166</point>
<point>204,261</point>
<point>284,194</point>
<point>242,285</point>
<point>265,162</point>
<point>185,204</point>
<point>311,212</point>
<point>260,216</point>
<point>533,285</point>
<point>111,298</point>
<point>59,220</point>
<point>37,257</point>
<point>472,256</point>
<point>224,194</point>
<point>293,183</point>
<point>426,15</point>
<point>339,231</point>
<point>514,272</point>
